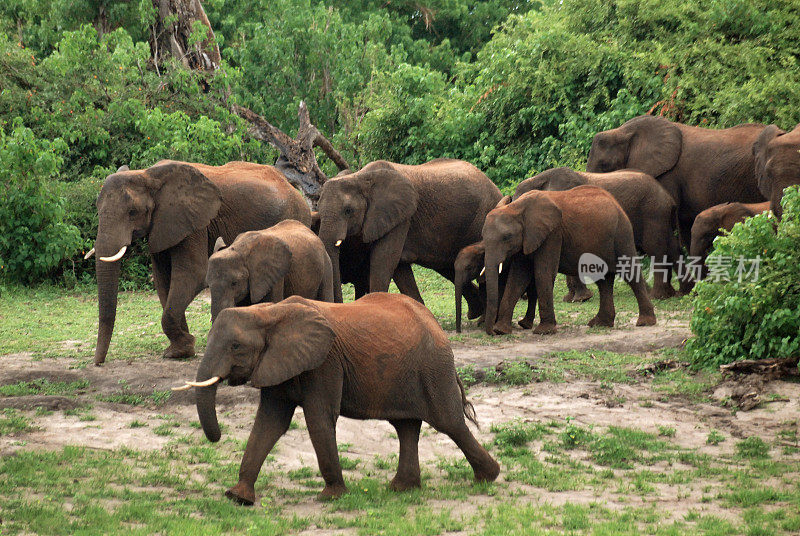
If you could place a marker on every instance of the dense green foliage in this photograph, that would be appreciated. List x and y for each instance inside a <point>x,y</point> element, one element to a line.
<point>755,317</point>
<point>515,86</point>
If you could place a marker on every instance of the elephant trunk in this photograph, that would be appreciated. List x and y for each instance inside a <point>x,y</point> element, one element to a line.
<point>206,399</point>
<point>459,282</point>
<point>107,287</point>
<point>492,294</point>
<point>333,253</point>
<point>218,303</point>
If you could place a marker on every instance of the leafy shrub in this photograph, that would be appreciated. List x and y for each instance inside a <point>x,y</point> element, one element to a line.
<point>752,319</point>
<point>34,238</point>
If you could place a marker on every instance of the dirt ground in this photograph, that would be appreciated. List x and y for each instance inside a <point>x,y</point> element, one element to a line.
<point>587,402</point>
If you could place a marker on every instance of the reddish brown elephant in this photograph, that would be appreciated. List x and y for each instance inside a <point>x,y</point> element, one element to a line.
<point>181,209</point>
<point>338,359</point>
<point>545,233</point>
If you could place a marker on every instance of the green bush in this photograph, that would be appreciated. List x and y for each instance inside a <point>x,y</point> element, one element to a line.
<point>747,319</point>
<point>34,238</point>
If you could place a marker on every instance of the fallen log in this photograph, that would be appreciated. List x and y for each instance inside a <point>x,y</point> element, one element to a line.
<point>771,369</point>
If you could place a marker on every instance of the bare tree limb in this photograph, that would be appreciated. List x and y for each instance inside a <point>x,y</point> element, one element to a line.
<point>297,160</point>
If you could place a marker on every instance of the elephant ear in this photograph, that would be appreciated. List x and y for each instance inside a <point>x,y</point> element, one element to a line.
<point>268,263</point>
<point>391,199</point>
<point>760,156</point>
<point>540,217</point>
<point>298,339</point>
<point>506,199</point>
<point>655,144</point>
<point>185,201</point>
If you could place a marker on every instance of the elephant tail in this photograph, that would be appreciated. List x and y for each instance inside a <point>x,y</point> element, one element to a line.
<point>469,409</point>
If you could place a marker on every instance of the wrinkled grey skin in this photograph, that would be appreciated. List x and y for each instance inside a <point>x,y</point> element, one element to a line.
<point>287,259</point>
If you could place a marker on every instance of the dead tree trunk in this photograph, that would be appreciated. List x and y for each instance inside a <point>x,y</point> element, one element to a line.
<point>297,160</point>
<point>172,31</point>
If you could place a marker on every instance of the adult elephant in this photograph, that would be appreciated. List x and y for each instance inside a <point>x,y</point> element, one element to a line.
<point>405,214</point>
<point>181,209</point>
<point>650,209</point>
<point>699,167</point>
<point>777,155</point>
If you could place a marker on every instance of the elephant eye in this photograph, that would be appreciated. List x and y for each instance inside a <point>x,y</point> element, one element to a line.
<point>132,212</point>
<point>348,211</point>
<point>235,346</point>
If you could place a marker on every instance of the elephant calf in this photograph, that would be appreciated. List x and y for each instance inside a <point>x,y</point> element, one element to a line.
<point>286,259</point>
<point>649,207</point>
<point>552,231</point>
<point>708,223</point>
<point>383,356</point>
<point>469,266</point>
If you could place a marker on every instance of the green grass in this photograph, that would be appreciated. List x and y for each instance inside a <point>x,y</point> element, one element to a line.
<point>13,422</point>
<point>43,386</point>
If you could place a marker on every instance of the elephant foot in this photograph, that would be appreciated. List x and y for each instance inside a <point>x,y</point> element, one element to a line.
<point>582,295</point>
<point>525,322</point>
<point>568,297</point>
<point>180,350</point>
<point>685,289</point>
<point>472,314</point>
<point>601,321</point>
<point>545,328</point>
<point>399,483</point>
<point>331,492</point>
<point>646,320</point>
<point>503,328</point>
<point>662,292</point>
<point>242,494</point>
<point>488,473</point>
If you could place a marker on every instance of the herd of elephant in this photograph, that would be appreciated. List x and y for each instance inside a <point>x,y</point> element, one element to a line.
<point>275,269</point>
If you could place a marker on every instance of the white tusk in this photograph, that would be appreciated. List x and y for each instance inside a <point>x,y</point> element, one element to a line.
<point>182,387</point>
<point>482,271</point>
<point>116,257</point>
<point>88,255</point>
<point>501,268</point>
<point>210,381</point>
<point>338,243</point>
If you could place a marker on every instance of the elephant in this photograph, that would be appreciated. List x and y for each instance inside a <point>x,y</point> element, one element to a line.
<point>699,167</point>
<point>338,359</point>
<point>422,214</point>
<point>777,155</point>
<point>469,265</point>
<point>708,223</point>
<point>650,209</point>
<point>545,233</point>
<point>286,259</point>
<point>181,209</point>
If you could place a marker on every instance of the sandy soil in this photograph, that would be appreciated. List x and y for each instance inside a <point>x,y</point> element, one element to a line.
<point>587,402</point>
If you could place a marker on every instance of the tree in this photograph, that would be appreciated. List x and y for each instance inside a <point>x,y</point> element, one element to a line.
<point>181,29</point>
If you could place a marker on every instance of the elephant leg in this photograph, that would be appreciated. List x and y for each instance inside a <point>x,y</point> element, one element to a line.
<point>361,288</point>
<point>189,262</point>
<point>385,256</point>
<point>277,293</point>
<point>661,244</point>
<point>606,314</point>
<point>407,476</point>
<point>161,271</point>
<point>519,277</point>
<point>406,284</point>
<point>647,315</point>
<point>545,268</point>
<point>476,303</point>
<point>272,421</point>
<point>577,290</point>
<point>484,467</point>
<point>526,322</point>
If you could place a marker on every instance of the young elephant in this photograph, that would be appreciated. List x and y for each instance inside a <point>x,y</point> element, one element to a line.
<point>383,356</point>
<point>708,223</point>
<point>553,230</point>
<point>649,207</point>
<point>469,266</point>
<point>283,260</point>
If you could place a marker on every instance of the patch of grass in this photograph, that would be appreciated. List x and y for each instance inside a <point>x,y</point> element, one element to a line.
<point>303,473</point>
<point>13,422</point>
<point>666,431</point>
<point>715,437</point>
<point>43,386</point>
<point>348,464</point>
<point>137,424</point>
<point>126,396</point>
<point>166,429</point>
<point>609,367</point>
<point>679,382</point>
<point>753,448</point>
<point>517,433</point>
